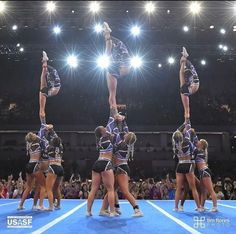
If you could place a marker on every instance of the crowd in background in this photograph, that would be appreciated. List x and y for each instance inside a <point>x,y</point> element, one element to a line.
<point>149,188</point>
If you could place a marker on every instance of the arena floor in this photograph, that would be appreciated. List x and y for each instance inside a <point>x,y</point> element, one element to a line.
<point>158,218</point>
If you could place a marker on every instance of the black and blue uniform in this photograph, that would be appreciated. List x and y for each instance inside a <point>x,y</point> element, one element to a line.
<point>185,149</point>
<point>191,79</point>
<point>120,57</point>
<point>105,145</point>
<point>55,153</point>
<point>53,81</point>
<point>33,148</point>
<point>201,157</point>
<point>121,150</point>
<point>43,132</point>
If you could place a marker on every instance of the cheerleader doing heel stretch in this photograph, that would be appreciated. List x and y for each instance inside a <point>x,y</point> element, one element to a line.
<point>189,81</point>
<point>119,62</point>
<point>50,85</point>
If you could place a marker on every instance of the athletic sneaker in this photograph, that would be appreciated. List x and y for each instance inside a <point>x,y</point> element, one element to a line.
<point>175,209</point>
<point>106,27</point>
<point>181,209</point>
<point>104,213</point>
<point>185,53</point>
<point>204,209</point>
<point>49,209</point>
<point>41,208</point>
<point>57,207</point>
<point>45,57</point>
<point>113,214</point>
<point>200,209</point>
<point>214,209</point>
<point>20,208</point>
<point>137,213</point>
<point>118,211</point>
<point>88,214</point>
<point>34,208</point>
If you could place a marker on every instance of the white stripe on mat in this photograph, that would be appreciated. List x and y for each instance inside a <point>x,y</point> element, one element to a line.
<point>219,204</point>
<point>124,202</point>
<point>6,204</point>
<point>182,224</point>
<point>57,220</point>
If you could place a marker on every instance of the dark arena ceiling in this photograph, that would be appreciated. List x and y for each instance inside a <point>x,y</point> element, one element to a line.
<point>161,31</point>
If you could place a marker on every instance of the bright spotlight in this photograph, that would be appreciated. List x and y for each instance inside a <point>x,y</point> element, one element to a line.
<point>203,62</point>
<point>94,7</point>
<point>171,60</point>
<point>98,28</point>
<point>103,61</point>
<point>149,7</point>
<point>234,8</point>
<point>18,45</point>
<point>225,48</point>
<point>72,61</point>
<point>14,27</point>
<point>136,62</point>
<point>221,46</point>
<point>222,31</point>
<point>159,65</point>
<point>21,49</point>
<point>50,6</point>
<point>2,6</point>
<point>135,30</point>
<point>185,28</point>
<point>56,29</point>
<point>195,7</point>
<point>212,26</point>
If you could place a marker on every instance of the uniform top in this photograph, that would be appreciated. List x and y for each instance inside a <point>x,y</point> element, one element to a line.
<point>121,149</point>
<point>200,156</point>
<point>46,136</point>
<point>187,147</point>
<point>55,152</point>
<point>52,77</point>
<point>190,73</point>
<point>119,49</point>
<point>105,142</point>
<point>34,147</point>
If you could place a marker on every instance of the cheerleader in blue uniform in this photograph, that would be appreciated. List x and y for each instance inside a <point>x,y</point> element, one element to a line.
<point>50,85</point>
<point>189,81</point>
<point>102,170</point>
<point>119,62</point>
<point>184,148</point>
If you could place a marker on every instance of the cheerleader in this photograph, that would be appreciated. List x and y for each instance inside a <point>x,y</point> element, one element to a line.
<point>123,151</point>
<point>201,158</point>
<point>119,58</point>
<point>189,81</point>
<point>185,168</point>
<point>49,86</point>
<point>102,170</point>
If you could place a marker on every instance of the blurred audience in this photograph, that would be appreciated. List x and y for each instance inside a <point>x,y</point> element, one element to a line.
<point>149,188</point>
